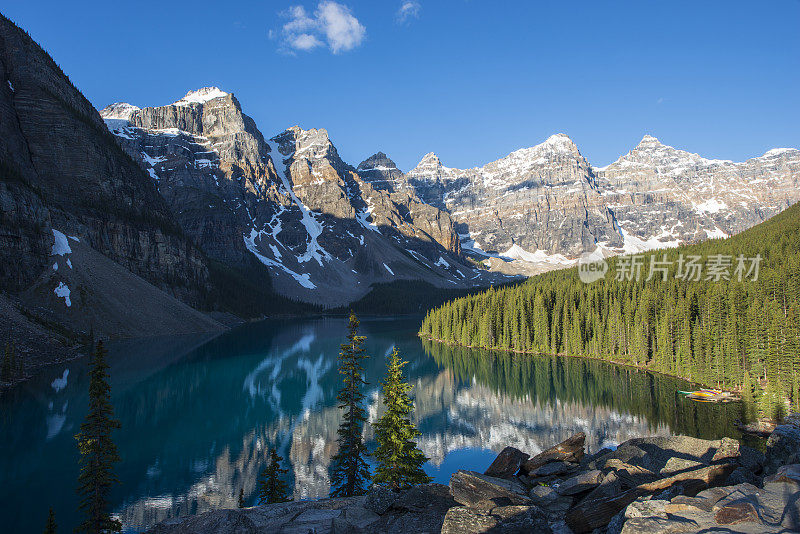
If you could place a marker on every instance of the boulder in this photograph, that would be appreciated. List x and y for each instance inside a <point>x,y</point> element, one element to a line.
<point>379,499</point>
<point>552,468</point>
<point>783,448</point>
<point>581,482</point>
<point>507,463</point>
<point>786,473</point>
<point>653,453</point>
<point>741,475</point>
<point>678,465</point>
<point>420,509</point>
<point>513,519</point>
<point>465,520</point>
<point>589,515</point>
<point>569,450</point>
<point>550,500</point>
<point>743,508</point>
<point>629,475</point>
<point>470,487</point>
<point>728,451</point>
<point>752,459</point>
<point>646,508</point>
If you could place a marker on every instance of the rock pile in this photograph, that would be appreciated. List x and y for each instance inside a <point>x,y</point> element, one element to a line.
<point>656,484</point>
<point>653,484</point>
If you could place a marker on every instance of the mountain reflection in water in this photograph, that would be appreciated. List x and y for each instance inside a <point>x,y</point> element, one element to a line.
<point>198,414</point>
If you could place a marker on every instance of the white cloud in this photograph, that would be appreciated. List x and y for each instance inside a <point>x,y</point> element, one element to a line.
<point>304,41</point>
<point>408,9</point>
<point>332,24</point>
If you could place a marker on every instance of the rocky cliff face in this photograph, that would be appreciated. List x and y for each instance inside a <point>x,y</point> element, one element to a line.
<point>324,230</point>
<point>63,174</point>
<point>687,198</point>
<point>541,207</point>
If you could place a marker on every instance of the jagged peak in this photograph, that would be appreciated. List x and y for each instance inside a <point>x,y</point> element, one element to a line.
<point>118,111</point>
<point>430,158</point>
<point>201,96</point>
<point>377,160</point>
<point>650,142</point>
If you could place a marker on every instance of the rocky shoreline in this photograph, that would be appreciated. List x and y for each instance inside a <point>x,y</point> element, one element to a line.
<point>650,484</point>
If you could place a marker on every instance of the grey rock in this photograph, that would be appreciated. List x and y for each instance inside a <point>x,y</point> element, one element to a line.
<point>743,508</point>
<point>677,465</point>
<point>581,482</point>
<point>646,508</point>
<point>569,450</point>
<point>507,463</point>
<point>743,475</point>
<point>379,499</point>
<point>783,447</point>
<point>729,450</point>
<point>552,468</point>
<point>502,519</point>
<point>470,487</point>
<point>465,520</point>
<point>786,473</point>
<point>751,459</point>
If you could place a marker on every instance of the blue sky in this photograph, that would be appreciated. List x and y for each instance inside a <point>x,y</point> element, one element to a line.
<point>470,80</point>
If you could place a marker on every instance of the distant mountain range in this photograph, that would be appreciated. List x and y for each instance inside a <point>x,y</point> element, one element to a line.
<point>294,200</point>
<point>189,207</point>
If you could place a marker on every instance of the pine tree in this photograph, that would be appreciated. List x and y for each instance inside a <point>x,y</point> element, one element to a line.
<point>50,527</point>
<point>271,488</point>
<point>97,450</point>
<point>349,469</point>
<point>240,504</point>
<point>399,459</point>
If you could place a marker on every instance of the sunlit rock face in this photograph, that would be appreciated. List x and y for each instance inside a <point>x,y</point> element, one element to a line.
<point>539,208</point>
<point>324,232</point>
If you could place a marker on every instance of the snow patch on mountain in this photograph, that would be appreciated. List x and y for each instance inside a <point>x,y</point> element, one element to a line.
<point>711,205</point>
<point>201,96</point>
<point>312,225</point>
<point>62,291</point>
<point>61,245</point>
<point>250,242</point>
<point>516,252</point>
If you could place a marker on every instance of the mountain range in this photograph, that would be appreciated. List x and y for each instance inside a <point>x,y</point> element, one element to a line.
<point>535,209</point>
<point>182,217</point>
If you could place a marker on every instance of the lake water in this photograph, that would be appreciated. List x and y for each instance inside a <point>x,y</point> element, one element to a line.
<point>199,412</point>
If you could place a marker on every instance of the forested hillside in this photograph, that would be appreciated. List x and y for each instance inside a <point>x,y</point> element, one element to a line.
<point>716,326</point>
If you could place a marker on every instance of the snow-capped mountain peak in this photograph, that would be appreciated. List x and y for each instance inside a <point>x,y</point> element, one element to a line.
<point>118,111</point>
<point>200,96</point>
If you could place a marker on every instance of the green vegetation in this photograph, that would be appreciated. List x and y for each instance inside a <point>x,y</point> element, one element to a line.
<point>399,459</point>
<point>98,453</point>
<point>271,488</point>
<point>736,334</point>
<point>349,469</point>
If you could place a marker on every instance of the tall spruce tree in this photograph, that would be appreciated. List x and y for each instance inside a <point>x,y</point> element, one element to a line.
<point>98,453</point>
<point>240,502</point>
<point>349,469</point>
<point>50,527</point>
<point>271,488</point>
<point>399,459</point>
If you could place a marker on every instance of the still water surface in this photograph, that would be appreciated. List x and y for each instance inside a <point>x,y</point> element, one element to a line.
<point>199,412</point>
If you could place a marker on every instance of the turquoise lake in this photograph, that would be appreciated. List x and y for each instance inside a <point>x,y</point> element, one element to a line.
<point>199,412</point>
